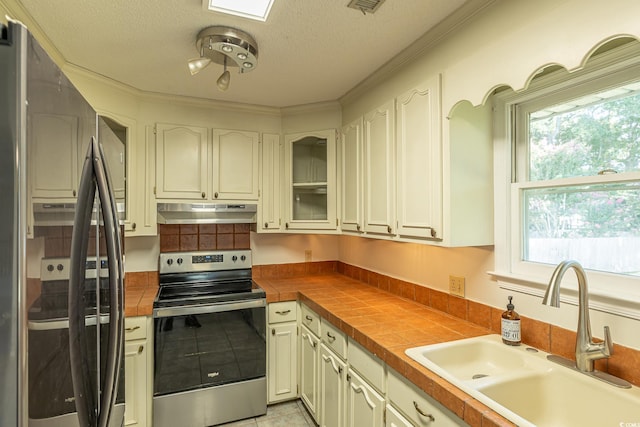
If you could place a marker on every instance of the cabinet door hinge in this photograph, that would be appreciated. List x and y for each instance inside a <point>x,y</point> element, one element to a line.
<point>337,222</point>
<point>155,129</point>
<point>258,193</point>
<point>154,190</point>
<point>384,416</point>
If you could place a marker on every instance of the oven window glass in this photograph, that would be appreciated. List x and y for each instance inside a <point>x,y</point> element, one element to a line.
<point>204,350</point>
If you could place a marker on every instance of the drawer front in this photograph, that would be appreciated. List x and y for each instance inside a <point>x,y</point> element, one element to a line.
<point>368,365</point>
<point>421,409</point>
<point>135,328</point>
<point>285,311</point>
<point>334,338</point>
<point>310,319</point>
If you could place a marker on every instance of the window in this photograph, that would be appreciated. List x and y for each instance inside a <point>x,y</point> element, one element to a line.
<point>568,151</point>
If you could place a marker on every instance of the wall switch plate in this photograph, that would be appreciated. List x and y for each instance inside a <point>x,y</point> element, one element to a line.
<point>456,286</point>
<point>307,255</point>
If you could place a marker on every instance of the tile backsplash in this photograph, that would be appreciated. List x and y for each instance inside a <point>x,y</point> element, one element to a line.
<point>203,237</point>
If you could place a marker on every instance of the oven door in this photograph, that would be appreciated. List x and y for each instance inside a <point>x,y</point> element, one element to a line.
<point>209,345</point>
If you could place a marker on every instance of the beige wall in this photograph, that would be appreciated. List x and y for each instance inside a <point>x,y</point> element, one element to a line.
<point>505,45</point>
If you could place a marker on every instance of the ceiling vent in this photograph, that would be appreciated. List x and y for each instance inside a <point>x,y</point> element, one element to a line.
<point>365,6</point>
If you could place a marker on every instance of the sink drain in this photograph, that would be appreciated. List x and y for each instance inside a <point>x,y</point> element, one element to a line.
<point>478,376</point>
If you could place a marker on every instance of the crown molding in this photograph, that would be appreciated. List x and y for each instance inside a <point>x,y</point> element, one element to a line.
<point>449,25</point>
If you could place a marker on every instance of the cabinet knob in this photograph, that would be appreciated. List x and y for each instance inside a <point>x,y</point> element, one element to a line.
<point>389,229</point>
<point>204,195</point>
<point>266,225</point>
<point>140,349</point>
<point>286,225</point>
<point>358,227</point>
<point>133,226</point>
<point>273,331</point>
<point>74,193</point>
<point>433,232</point>
<point>215,195</point>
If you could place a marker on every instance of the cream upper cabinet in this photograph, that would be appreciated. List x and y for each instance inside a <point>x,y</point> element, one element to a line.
<point>269,206</point>
<point>189,166</point>
<point>182,154</point>
<point>351,194</point>
<point>419,161</point>
<point>310,179</point>
<point>55,155</point>
<point>235,165</point>
<point>379,170</point>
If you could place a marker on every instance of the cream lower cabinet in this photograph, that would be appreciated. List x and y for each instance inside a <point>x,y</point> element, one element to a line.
<point>282,347</point>
<point>419,408</point>
<point>365,406</point>
<point>395,418</point>
<point>333,389</point>
<point>309,360</point>
<point>138,360</point>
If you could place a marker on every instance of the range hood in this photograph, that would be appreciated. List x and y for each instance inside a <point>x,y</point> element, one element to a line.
<point>206,213</point>
<point>55,214</point>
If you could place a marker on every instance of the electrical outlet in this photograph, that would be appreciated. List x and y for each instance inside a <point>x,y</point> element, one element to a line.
<point>307,255</point>
<point>456,286</point>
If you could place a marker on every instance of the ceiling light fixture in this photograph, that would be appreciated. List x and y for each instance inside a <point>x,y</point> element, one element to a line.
<point>226,46</point>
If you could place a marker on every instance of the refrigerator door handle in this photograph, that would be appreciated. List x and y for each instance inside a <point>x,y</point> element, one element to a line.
<point>83,389</point>
<point>116,284</point>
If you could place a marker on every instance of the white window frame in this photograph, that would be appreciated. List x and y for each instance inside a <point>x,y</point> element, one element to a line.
<point>610,293</point>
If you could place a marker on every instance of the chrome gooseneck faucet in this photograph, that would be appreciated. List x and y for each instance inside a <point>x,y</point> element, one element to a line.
<point>586,350</point>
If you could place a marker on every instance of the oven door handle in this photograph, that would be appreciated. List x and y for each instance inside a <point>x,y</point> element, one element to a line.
<point>209,308</point>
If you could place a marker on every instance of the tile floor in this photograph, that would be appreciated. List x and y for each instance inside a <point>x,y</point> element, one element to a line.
<point>287,414</point>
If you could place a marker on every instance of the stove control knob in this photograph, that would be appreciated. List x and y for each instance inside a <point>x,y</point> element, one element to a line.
<point>170,261</point>
<point>234,258</point>
<point>243,258</point>
<point>60,267</point>
<point>179,261</point>
<point>50,267</point>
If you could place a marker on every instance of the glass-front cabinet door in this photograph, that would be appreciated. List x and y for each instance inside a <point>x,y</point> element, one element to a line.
<point>311,180</point>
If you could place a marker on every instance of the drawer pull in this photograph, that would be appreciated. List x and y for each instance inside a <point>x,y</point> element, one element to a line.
<point>132,329</point>
<point>421,412</point>
<point>332,338</point>
<point>283,312</point>
<point>140,349</point>
<point>309,318</point>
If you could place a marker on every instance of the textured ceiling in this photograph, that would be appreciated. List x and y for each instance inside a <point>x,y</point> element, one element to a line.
<point>309,50</point>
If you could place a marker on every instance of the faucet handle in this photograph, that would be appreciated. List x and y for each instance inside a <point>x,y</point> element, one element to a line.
<point>607,345</point>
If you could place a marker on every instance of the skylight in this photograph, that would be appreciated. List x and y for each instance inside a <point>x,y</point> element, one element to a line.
<point>252,9</point>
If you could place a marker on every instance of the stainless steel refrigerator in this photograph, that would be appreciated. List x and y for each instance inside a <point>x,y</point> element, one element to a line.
<point>61,248</point>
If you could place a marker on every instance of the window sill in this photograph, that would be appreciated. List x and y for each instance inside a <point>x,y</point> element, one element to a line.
<point>624,305</point>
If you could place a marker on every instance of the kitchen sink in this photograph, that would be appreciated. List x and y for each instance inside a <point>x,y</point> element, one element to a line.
<point>523,386</point>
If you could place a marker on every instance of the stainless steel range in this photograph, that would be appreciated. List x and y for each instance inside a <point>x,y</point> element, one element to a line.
<point>210,342</point>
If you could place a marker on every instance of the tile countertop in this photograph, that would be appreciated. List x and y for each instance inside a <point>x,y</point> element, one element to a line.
<point>387,325</point>
<point>382,322</point>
